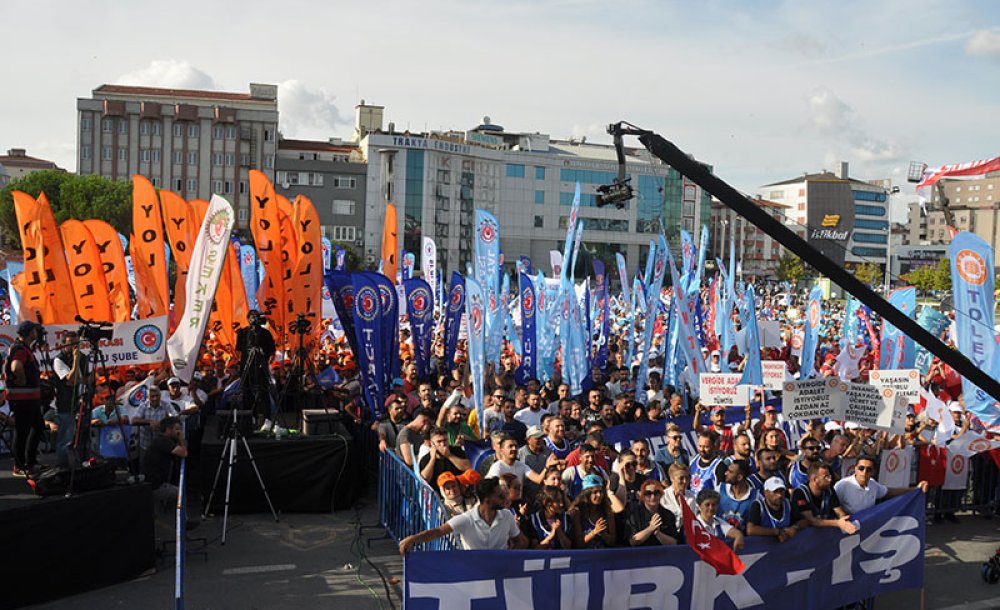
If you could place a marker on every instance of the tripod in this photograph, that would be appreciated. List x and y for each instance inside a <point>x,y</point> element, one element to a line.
<point>298,373</point>
<point>230,444</point>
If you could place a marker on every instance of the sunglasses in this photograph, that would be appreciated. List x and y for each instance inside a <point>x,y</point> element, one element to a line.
<point>653,493</point>
<point>674,438</point>
<point>863,468</point>
<point>811,448</point>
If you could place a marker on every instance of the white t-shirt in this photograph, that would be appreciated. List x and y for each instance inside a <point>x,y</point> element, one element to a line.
<point>518,469</point>
<point>477,535</point>
<point>530,418</point>
<point>853,497</point>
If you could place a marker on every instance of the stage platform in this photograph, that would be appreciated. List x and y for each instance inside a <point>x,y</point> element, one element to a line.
<point>58,546</point>
<point>317,474</point>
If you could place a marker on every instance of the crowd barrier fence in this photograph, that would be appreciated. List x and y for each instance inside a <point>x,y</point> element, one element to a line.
<point>408,505</point>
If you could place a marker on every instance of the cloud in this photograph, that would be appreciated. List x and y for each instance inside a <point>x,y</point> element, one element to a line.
<point>169,74</point>
<point>984,43</point>
<point>847,134</point>
<point>307,112</point>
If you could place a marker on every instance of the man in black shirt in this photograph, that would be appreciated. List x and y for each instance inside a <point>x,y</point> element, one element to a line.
<point>648,523</point>
<point>442,457</point>
<point>818,503</point>
<point>158,461</point>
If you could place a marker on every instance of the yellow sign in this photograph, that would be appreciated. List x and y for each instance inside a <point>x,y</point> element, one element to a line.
<point>831,220</point>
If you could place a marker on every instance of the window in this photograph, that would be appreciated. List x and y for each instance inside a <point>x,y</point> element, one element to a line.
<point>344,182</point>
<point>144,155</point>
<point>869,210</point>
<point>154,155</point>
<point>178,130</point>
<point>107,125</point>
<point>243,187</point>
<point>268,135</point>
<point>156,182</point>
<point>539,173</point>
<point>776,195</point>
<point>157,127</point>
<point>122,126</point>
<point>178,157</point>
<point>802,192</point>
<point>540,197</point>
<point>269,161</point>
<point>84,152</point>
<point>230,159</point>
<point>123,154</point>
<point>292,177</point>
<point>87,124</point>
<point>193,130</point>
<point>441,230</point>
<point>344,233</point>
<point>870,238</point>
<point>868,196</point>
<point>230,133</point>
<point>216,186</point>
<point>144,128</point>
<point>802,207</point>
<point>877,225</point>
<point>443,204</point>
<point>539,222</point>
<point>192,185</point>
<point>869,252</point>
<point>343,206</point>
<point>227,187</point>
<point>218,132</point>
<point>178,185</point>
<point>444,176</point>
<point>218,158</point>
<point>315,179</point>
<point>245,160</point>
<point>515,170</point>
<point>242,214</point>
<point>193,157</point>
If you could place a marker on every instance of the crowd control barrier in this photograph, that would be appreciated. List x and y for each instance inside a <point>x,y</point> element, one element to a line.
<point>407,504</point>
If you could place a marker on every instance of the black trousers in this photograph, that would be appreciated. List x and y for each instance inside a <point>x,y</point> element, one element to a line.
<point>28,429</point>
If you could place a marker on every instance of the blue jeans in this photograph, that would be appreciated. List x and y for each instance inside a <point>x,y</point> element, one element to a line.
<point>64,437</point>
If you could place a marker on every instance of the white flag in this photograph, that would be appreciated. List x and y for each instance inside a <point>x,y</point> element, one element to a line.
<point>895,469</point>
<point>207,260</point>
<point>428,263</point>
<point>970,444</point>
<point>956,472</point>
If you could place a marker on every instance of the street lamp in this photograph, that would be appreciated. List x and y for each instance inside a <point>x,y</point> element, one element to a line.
<point>888,248</point>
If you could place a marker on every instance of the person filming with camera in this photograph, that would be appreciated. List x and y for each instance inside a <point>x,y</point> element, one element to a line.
<point>72,374</point>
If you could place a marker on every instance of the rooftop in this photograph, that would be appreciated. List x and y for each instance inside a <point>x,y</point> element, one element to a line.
<point>17,157</point>
<point>823,176</point>
<point>177,93</point>
<point>314,145</point>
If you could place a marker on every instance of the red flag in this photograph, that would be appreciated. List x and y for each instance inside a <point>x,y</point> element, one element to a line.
<point>710,548</point>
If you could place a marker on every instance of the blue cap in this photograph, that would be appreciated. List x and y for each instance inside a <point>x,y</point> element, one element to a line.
<point>397,381</point>
<point>591,481</point>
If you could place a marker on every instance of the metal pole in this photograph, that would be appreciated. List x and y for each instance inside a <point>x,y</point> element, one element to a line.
<point>888,262</point>
<point>695,171</point>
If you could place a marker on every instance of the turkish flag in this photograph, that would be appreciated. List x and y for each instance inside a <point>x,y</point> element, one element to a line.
<point>710,548</point>
<point>932,465</point>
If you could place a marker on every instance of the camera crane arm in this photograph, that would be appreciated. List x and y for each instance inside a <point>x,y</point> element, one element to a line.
<point>670,154</point>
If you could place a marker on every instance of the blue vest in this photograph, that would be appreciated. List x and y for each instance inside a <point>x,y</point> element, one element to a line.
<point>797,478</point>
<point>703,477</point>
<point>735,511</point>
<point>767,519</point>
<point>542,530</point>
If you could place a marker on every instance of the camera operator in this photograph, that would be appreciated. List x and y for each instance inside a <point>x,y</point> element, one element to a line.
<point>25,396</point>
<point>72,373</point>
<point>256,347</point>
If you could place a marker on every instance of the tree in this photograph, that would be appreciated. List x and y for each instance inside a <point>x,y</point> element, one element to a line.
<point>790,267</point>
<point>70,196</point>
<point>931,277</point>
<point>352,262</point>
<point>868,273</point>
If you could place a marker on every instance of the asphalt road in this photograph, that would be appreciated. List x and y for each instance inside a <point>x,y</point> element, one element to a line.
<point>309,561</point>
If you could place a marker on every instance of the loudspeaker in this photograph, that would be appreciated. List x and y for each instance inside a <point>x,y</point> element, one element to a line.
<point>322,422</point>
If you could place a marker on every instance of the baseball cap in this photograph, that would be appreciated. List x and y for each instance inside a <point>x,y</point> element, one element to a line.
<point>174,381</point>
<point>591,481</point>
<point>446,477</point>
<point>26,327</point>
<point>774,484</point>
<point>770,408</point>
<point>535,432</point>
<point>718,409</point>
<point>397,381</point>
<point>954,407</point>
<point>469,477</point>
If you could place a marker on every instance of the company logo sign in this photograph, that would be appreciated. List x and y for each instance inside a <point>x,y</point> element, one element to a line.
<point>148,338</point>
<point>971,267</point>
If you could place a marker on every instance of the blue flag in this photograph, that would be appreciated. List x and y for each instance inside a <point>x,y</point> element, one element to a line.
<point>934,322</point>
<point>898,351</point>
<point>390,326</point>
<point>852,325</point>
<point>486,263</point>
<point>528,369</point>
<point>475,309</point>
<point>604,311</point>
<point>453,318</point>
<point>420,307</point>
<point>327,247</point>
<point>623,276</point>
<point>972,284</point>
<point>341,287</point>
<point>753,373</point>
<point>339,259</point>
<point>814,313</point>
<point>327,378</point>
<point>368,329</point>
<point>248,271</point>
<point>545,325</point>
<point>652,309</point>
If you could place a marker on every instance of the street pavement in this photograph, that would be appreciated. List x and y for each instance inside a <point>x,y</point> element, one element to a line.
<point>308,561</point>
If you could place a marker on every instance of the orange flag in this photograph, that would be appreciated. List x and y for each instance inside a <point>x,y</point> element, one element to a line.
<point>266,229</point>
<point>289,258</point>
<point>86,272</point>
<point>146,297</point>
<point>390,246</point>
<point>240,304</point>
<point>31,282</point>
<point>307,282</point>
<point>58,308</point>
<point>180,230</point>
<point>199,207</point>
<point>147,247</point>
<point>109,248</point>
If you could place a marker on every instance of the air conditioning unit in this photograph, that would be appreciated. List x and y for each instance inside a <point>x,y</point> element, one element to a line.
<point>359,242</point>
<point>284,185</point>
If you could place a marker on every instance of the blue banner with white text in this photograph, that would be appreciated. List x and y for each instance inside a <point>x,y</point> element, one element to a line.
<point>819,568</point>
<point>420,308</point>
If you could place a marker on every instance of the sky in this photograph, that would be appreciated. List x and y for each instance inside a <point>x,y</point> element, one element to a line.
<point>761,90</point>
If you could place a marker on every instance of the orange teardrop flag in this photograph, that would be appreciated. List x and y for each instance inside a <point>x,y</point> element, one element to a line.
<point>266,229</point>
<point>390,245</point>
<point>30,283</point>
<point>240,303</point>
<point>289,258</point>
<point>221,318</point>
<point>147,247</point>
<point>180,229</point>
<point>86,272</point>
<point>59,309</point>
<point>109,248</point>
<point>147,299</point>
<point>307,281</point>
<point>199,207</point>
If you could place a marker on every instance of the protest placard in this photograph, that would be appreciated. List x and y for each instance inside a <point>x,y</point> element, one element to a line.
<point>873,407</point>
<point>721,389</point>
<point>774,374</point>
<point>906,382</point>
<point>813,398</point>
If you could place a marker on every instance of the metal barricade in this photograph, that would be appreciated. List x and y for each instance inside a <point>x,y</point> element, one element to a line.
<point>408,505</point>
<point>980,494</point>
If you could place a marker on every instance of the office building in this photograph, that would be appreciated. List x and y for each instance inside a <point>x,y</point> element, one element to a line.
<point>17,164</point>
<point>191,142</point>
<point>757,251</point>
